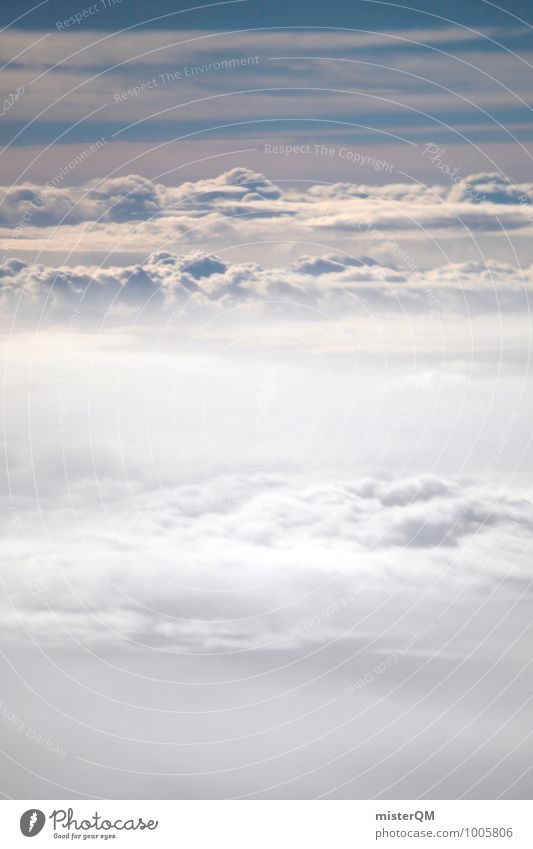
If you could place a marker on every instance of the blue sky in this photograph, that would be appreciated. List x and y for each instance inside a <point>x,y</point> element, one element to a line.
<point>252,13</point>
<point>379,77</point>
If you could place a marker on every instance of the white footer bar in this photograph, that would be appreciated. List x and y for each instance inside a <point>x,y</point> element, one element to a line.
<point>269,824</point>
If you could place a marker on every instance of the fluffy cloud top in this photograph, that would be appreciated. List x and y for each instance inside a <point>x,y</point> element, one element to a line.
<point>483,202</point>
<point>245,561</point>
<point>197,282</point>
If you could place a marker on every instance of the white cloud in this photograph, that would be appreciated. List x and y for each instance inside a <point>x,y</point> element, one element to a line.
<point>242,561</point>
<point>242,206</point>
<point>196,282</point>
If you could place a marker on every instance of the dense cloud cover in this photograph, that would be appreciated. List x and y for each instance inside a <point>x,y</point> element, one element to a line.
<point>265,338</point>
<point>244,561</point>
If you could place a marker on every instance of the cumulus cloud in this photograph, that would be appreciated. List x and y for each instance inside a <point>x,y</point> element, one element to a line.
<point>118,199</point>
<point>130,198</point>
<point>196,282</point>
<point>243,204</point>
<point>238,185</point>
<point>494,188</point>
<point>242,561</point>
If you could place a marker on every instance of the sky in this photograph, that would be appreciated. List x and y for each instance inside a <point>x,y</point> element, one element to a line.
<point>265,339</point>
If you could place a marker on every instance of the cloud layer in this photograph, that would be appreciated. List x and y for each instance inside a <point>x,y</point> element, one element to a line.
<point>169,292</point>
<point>244,562</point>
<point>247,194</point>
<point>244,213</point>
